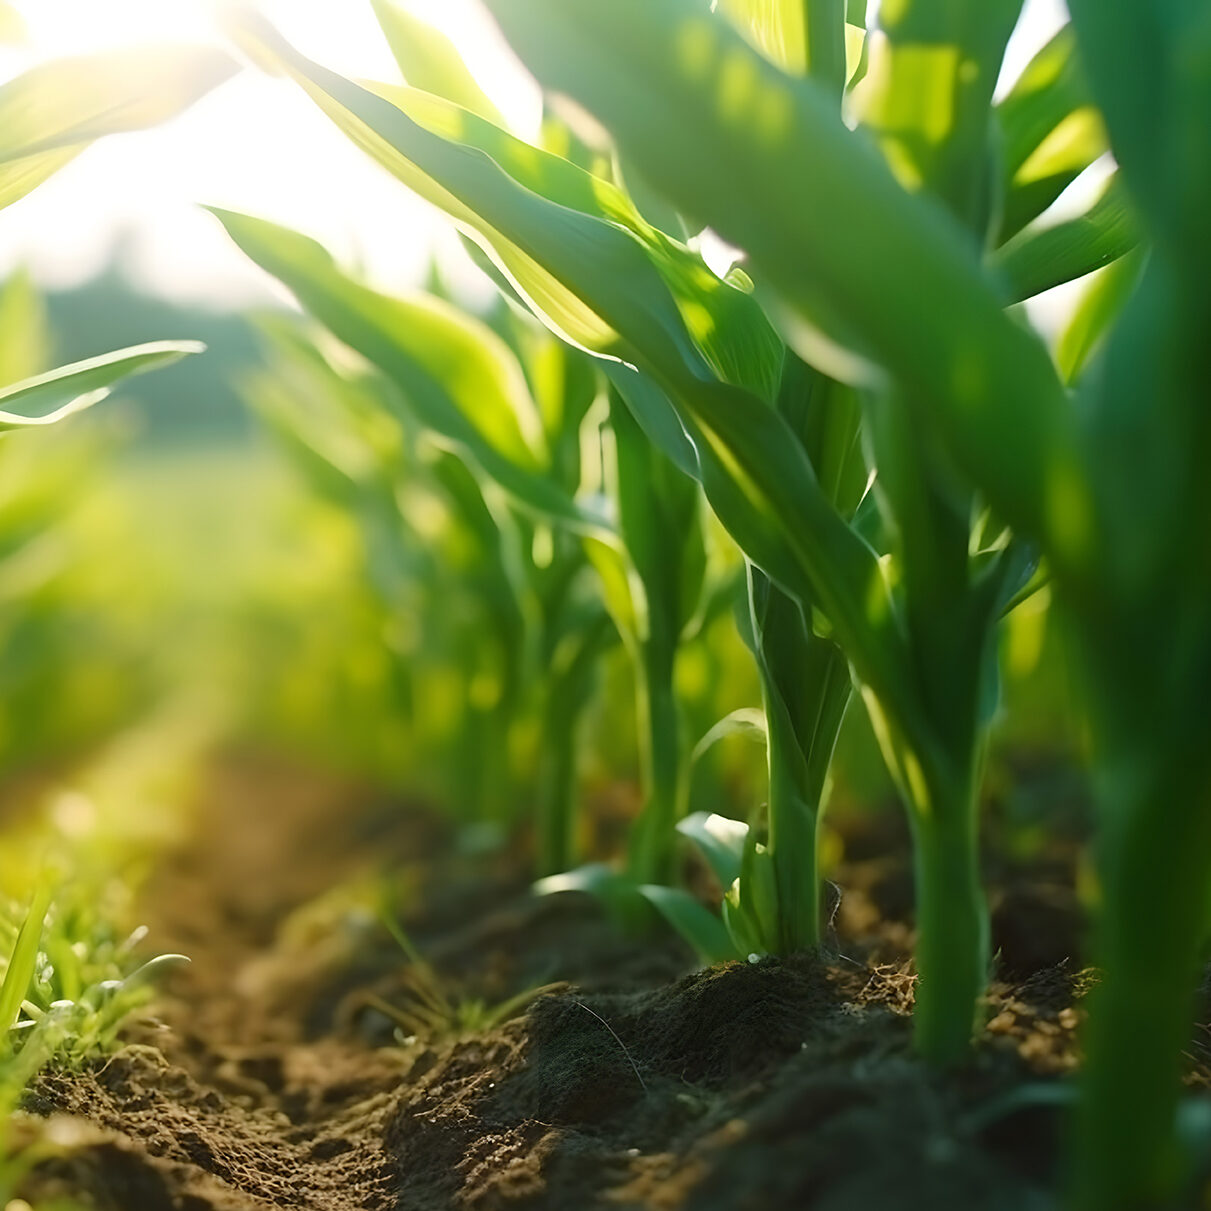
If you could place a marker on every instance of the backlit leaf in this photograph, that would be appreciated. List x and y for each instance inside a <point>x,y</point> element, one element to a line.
<point>51,113</point>
<point>50,397</point>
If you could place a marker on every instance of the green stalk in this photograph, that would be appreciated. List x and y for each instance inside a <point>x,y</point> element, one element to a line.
<point>557,794</point>
<point>662,767</point>
<point>1154,866</point>
<point>806,689</point>
<point>952,920</point>
<point>567,697</point>
<point>793,815</point>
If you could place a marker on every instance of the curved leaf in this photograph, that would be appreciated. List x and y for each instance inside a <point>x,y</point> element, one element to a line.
<point>1034,261</point>
<point>47,398</point>
<point>429,60</point>
<point>606,281</point>
<point>1050,132</point>
<point>720,840</point>
<point>694,922</point>
<point>20,965</point>
<point>53,112</point>
<point>457,375</point>
<point>751,152</point>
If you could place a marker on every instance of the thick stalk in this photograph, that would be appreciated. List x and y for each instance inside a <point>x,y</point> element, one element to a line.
<point>792,839</point>
<point>661,768</point>
<point>952,921</point>
<point>800,752</point>
<point>1154,866</point>
<point>568,693</point>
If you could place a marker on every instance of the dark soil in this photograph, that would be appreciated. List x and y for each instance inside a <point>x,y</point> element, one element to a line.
<point>302,1062</point>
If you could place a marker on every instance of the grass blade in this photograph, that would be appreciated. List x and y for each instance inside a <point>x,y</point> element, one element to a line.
<point>19,971</point>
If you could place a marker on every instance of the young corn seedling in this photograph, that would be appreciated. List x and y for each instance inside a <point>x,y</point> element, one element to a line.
<point>1103,493</point>
<point>435,1011</point>
<point>918,631</point>
<point>66,987</point>
<point>651,577</point>
<point>746,349</point>
<point>709,370</point>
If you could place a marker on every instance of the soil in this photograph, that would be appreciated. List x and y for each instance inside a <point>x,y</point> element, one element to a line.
<point>539,1059</point>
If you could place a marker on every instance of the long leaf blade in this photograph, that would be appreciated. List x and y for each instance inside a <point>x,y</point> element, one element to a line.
<point>50,397</point>
<point>753,162</point>
<point>53,112</point>
<point>455,373</point>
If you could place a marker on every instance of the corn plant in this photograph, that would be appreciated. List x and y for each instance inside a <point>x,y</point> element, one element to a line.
<point>701,369</point>
<point>463,386</point>
<point>746,337</point>
<point>1103,492</point>
<point>505,453</point>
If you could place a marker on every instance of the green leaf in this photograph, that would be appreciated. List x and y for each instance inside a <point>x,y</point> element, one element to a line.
<point>1126,49</point>
<point>20,965</point>
<point>695,923</point>
<point>927,93</point>
<point>50,397</point>
<point>744,721</point>
<point>802,37</point>
<point>1147,68</point>
<point>1037,260</point>
<point>1051,132</point>
<point>604,280</point>
<point>430,61</point>
<point>659,518</point>
<point>720,840</point>
<point>457,376</point>
<point>524,206</point>
<point>1099,307</point>
<point>53,112</point>
<point>749,151</point>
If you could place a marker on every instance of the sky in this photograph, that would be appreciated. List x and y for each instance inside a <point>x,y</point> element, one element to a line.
<point>258,145</point>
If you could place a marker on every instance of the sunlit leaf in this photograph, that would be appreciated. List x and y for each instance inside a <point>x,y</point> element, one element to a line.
<point>456,374</point>
<point>744,721</point>
<point>1034,261</point>
<point>53,112</point>
<point>430,61</point>
<point>21,963</point>
<point>753,162</point>
<point>721,842</point>
<point>589,274</point>
<point>932,68</point>
<point>801,38</point>
<point>1050,132</point>
<point>50,397</point>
